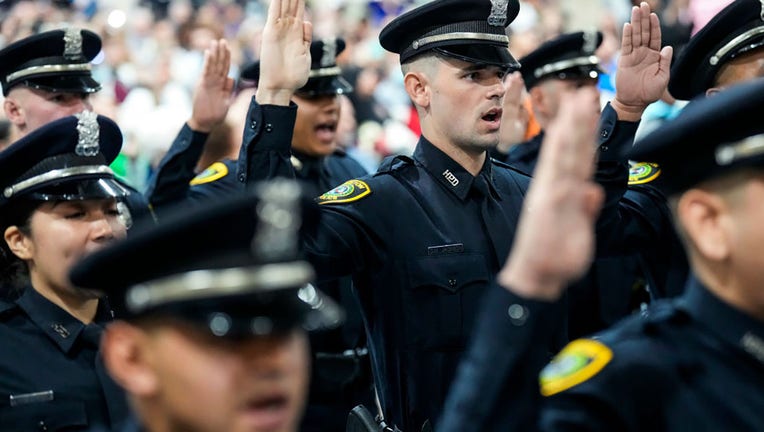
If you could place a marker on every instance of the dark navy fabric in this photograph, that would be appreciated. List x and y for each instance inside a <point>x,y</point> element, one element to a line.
<point>45,349</point>
<point>691,364</point>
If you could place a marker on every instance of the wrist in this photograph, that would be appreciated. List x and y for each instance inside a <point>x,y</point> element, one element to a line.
<point>627,112</point>
<point>530,284</point>
<point>197,126</point>
<point>265,96</point>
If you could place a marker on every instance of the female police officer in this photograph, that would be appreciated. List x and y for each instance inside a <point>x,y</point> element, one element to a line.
<point>58,202</point>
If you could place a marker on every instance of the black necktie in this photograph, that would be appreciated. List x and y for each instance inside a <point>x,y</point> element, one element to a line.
<point>497,225</point>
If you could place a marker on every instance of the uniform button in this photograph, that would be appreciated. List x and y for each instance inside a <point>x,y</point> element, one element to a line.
<point>604,148</point>
<point>452,283</point>
<point>253,124</point>
<point>42,426</point>
<point>268,127</point>
<point>605,133</point>
<point>242,177</point>
<point>518,314</point>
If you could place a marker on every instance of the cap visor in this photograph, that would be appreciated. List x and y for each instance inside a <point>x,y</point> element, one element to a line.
<point>493,55</point>
<point>74,189</point>
<point>331,85</point>
<point>72,83</point>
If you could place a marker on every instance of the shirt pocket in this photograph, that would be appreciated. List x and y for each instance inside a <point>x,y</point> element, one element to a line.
<point>55,415</point>
<point>441,299</point>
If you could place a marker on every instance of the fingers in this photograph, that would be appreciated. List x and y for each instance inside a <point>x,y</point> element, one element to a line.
<point>655,32</point>
<point>636,26</point>
<point>665,61</point>
<point>627,44</point>
<point>274,10</point>
<point>307,34</point>
<point>644,18</point>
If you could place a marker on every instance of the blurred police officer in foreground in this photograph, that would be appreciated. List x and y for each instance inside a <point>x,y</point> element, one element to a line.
<point>213,339</point>
<point>48,76</point>
<point>341,371</point>
<point>425,235</point>
<point>694,363</point>
<point>59,201</point>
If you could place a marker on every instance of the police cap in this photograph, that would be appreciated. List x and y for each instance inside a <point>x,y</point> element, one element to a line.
<point>56,61</point>
<point>324,78</point>
<point>66,160</point>
<point>232,268</point>
<point>468,30</point>
<point>711,137</point>
<point>736,30</point>
<point>569,56</point>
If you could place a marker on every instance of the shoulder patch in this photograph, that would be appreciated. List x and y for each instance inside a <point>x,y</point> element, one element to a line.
<point>643,172</point>
<point>576,363</point>
<point>213,172</point>
<point>351,190</point>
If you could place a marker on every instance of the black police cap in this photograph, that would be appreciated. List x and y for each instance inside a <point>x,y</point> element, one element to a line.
<point>569,56</point>
<point>66,159</point>
<point>736,30</point>
<point>232,267</point>
<point>469,30</point>
<point>324,78</point>
<point>56,61</point>
<point>711,137</point>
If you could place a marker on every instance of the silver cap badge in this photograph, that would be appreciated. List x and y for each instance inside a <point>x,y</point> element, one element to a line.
<point>279,221</point>
<point>330,52</point>
<point>498,15</point>
<point>88,131</point>
<point>590,42</point>
<point>72,44</point>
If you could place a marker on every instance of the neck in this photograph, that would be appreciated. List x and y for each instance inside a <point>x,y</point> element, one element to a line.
<point>470,158</point>
<point>76,303</point>
<point>725,285</point>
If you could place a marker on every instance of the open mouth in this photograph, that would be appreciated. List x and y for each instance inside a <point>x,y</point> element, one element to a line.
<point>268,413</point>
<point>492,116</point>
<point>326,131</point>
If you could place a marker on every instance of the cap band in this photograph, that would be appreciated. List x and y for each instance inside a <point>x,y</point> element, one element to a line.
<point>200,284</point>
<point>716,58</point>
<point>49,69</point>
<point>565,64</point>
<point>324,72</point>
<point>422,42</point>
<point>749,147</point>
<point>56,174</point>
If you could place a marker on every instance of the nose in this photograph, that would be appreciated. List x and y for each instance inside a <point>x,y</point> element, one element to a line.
<point>102,229</point>
<point>498,90</point>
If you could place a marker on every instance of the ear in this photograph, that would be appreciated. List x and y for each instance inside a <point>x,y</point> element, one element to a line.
<point>705,218</point>
<point>127,356</point>
<point>18,243</point>
<point>14,112</point>
<point>537,96</point>
<point>418,88</point>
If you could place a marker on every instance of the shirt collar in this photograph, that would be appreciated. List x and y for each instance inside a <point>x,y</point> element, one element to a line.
<point>448,172</point>
<point>730,324</point>
<point>309,164</point>
<point>60,326</point>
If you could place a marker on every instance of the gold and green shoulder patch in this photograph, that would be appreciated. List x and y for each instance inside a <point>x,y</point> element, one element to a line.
<point>643,172</point>
<point>576,363</point>
<point>213,172</point>
<point>351,190</point>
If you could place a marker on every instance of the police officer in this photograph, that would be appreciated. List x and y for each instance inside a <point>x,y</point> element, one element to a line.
<point>213,339</point>
<point>59,202</point>
<point>424,236</point>
<point>48,76</point>
<point>342,373</point>
<point>677,367</point>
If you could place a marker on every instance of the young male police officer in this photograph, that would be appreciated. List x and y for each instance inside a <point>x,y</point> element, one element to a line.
<point>424,236</point>
<point>213,339</point>
<point>691,364</point>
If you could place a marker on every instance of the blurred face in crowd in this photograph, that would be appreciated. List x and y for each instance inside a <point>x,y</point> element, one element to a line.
<point>58,235</point>
<point>460,103</point>
<point>546,96</point>
<point>183,378</point>
<point>315,129</point>
<point>29,108</point>
<point>746,67</point>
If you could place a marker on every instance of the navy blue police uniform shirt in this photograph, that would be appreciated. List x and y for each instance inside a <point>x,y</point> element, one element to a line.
<point>693,363</point>
<point>51,374</point>
<point>420,252</point>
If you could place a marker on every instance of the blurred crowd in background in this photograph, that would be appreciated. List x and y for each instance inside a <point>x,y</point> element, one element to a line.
<point>153,51</point>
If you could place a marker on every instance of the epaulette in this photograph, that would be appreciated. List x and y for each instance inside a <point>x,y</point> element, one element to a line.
<point>508,166</point>
<point>392,163</point>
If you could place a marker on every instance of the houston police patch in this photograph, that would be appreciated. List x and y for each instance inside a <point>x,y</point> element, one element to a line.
<point>351,190</point>
<point>643,172</point>
<point>576,363</point>
<point>213,172</point>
